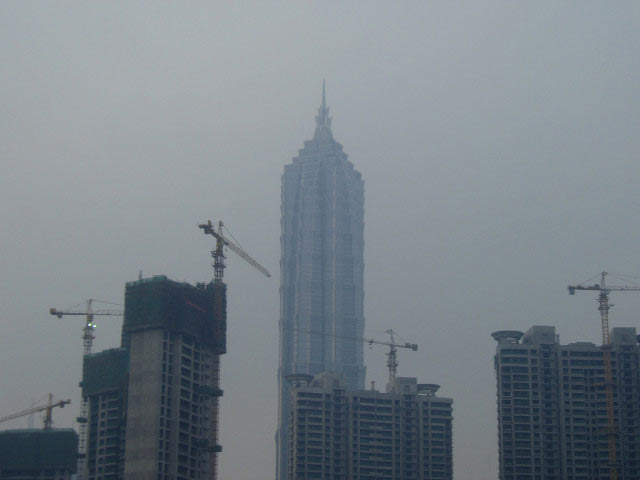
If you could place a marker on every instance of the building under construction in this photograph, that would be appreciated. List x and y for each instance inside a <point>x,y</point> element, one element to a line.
<point>104,386</point>
<point>176,333</point>
<point>49,454</point>
<point>153,403</point>
<point>552,406</point>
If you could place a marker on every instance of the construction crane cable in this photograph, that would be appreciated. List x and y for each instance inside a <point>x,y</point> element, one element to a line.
<point>109,303</point>
<point>589,280</point>
<point>219,256</point>
<point>73,307</point>
<point>624,278</point>
<point>392,362</point>
<point>47,408</point>
<point>625,275</point>
<point>401,338</point>
<point>35,404</point>
<point>231,235</point>
<point>375,332</point>
<point>318,332</point>
<point>347,337</point>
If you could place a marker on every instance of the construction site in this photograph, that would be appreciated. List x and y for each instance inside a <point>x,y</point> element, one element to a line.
<point>148,408</point>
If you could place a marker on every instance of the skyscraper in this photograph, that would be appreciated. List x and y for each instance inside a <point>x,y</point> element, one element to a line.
<point>405,433</point>
<point>552,415</point>
<point>322,269</point>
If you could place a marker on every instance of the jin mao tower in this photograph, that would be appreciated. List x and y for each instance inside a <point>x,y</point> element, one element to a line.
<point>322,267</point>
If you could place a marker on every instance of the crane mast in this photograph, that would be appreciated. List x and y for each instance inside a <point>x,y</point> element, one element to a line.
<point>603,307</point>
<point>89,326</point>
<point>87,344</point>
<point>392,356</point>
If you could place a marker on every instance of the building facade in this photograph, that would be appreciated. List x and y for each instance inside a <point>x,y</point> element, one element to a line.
<point>153,403</point>
<point>176,333</point>
<point>552,416</point>
<point>104,385</point>
<point>403,434</point>
<point>322,270</point>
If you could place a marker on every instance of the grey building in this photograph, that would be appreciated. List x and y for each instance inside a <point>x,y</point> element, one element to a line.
<point>38,454</point>
<point>176,333</point>
<point>322,268</point>
<point>552,416</point>
<point>402,434</point>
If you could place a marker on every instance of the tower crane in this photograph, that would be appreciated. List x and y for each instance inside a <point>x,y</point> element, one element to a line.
<point>87,341</point>
<point>89,326</point>
<point>392,356</point>
<point>48,408</point>
<point>218,253</point>
<point>603,307</point>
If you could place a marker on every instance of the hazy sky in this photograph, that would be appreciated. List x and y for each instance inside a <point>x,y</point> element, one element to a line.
<point>498,142</point>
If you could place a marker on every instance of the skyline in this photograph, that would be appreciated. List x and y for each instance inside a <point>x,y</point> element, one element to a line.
<point>497,142</point>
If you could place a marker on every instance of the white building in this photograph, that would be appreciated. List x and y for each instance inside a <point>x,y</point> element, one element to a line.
<point>402,434</point>
<point>552,413</point>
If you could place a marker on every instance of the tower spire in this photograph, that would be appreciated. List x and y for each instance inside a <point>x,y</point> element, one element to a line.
<point>323,120</point>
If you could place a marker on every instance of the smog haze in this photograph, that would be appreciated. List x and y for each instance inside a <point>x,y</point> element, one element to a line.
<point>498,142</point>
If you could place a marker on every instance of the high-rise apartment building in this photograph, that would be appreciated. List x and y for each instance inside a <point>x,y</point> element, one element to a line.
<point>322,268</point>
<point>153,403</point>
<point>552,415</point>
<point>176,333</point>
<point>403,434</point>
